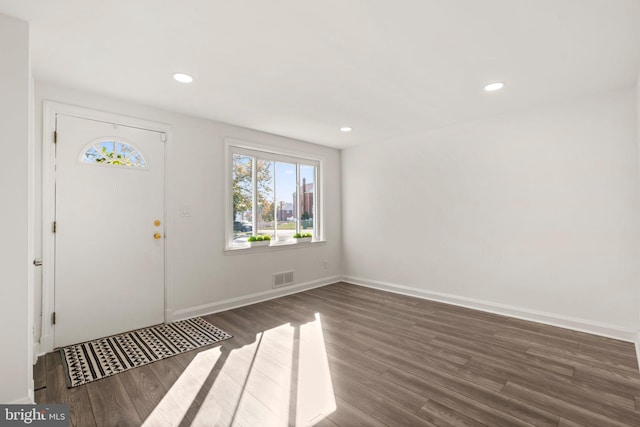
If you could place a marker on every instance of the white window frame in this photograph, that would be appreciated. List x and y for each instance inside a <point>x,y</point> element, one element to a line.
<point>262,152</point>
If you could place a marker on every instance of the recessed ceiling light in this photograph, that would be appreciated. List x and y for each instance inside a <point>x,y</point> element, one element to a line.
<point>182,77</point>
<point>491,87</point>
<point>345,129</point>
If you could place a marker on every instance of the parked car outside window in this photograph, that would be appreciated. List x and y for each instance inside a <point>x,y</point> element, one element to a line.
<point>242,226</point>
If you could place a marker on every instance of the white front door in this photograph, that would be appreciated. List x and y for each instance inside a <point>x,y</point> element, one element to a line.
<point>109,237</point>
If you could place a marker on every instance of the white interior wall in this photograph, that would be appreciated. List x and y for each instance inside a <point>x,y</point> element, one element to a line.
<point>16,380</point>
<point>201,277</point>
<point>638,145</point>
<point>534,214</point>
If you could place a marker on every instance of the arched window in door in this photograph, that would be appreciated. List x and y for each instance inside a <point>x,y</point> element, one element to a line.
<point>112,152</point>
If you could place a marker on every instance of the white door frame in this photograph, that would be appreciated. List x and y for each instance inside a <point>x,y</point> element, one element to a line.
<point>49,111</point>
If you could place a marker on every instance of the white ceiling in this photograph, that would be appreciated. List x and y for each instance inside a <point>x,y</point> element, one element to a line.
<point>305,68</point>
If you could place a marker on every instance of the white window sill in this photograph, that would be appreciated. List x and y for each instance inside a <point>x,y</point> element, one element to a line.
<point>274,246</point>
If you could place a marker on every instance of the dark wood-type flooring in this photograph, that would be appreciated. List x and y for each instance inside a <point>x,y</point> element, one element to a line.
<point>344,355</point>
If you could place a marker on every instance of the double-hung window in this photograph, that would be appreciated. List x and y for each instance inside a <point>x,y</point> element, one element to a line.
<point>273,195</point>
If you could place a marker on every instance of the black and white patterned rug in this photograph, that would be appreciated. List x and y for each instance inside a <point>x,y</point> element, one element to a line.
<point>104,357</point>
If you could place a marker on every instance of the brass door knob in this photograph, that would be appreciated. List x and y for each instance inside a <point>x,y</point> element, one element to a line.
<point>157,236</point>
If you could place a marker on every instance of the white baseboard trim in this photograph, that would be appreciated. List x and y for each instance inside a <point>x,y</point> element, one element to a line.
<point>24,400</point>
<point>567,322</point>
<point>637,342</point>
<point>231,303</point>
<point>36,351</point>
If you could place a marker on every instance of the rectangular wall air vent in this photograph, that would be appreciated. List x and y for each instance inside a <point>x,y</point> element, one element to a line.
<point>283,279</point>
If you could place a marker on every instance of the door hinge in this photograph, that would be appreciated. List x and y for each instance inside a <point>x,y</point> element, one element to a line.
<point>54,227</point>
<point>163,137</point>
<point>53,318</point>
<point>55,136</point>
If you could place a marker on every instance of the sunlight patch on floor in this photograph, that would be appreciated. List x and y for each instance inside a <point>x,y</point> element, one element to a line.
<point>315,398</point>
<point>175,404</point>
<point>282,378</point>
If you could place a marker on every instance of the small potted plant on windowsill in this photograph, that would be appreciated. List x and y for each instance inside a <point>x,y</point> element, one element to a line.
<point>254,241</point>
<point>303,237</point>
